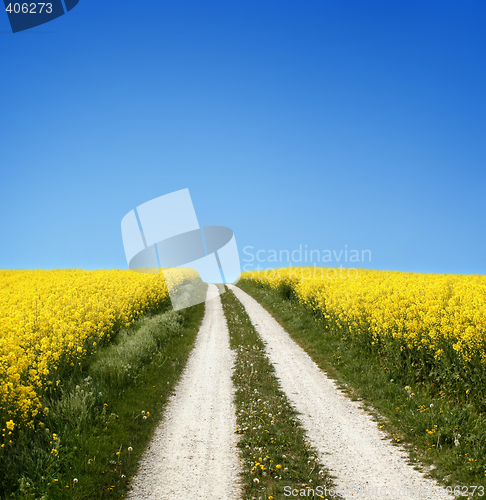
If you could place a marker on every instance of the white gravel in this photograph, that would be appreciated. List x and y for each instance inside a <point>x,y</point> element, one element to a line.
<point>347,439</point>
<point>193,453</point>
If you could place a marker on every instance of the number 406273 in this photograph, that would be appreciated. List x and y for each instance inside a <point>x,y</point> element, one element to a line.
<point>29,8</point>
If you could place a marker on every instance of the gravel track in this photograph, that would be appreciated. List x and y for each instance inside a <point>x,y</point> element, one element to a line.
<point>193,453</point>
<point>349,442</point>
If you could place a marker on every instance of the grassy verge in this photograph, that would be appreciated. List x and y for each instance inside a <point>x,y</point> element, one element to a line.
<point>275,454</point>
<point>101,420</point>
<point>443,437</point>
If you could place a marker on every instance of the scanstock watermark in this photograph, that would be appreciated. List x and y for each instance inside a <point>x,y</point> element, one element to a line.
<point>308,262</point>
<point>447,492</point>
<point>164,234</point>
<point>25,15</point>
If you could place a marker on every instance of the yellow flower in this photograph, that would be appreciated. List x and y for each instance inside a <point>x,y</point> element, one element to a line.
<point>439,319</point>
<point>48,318</point>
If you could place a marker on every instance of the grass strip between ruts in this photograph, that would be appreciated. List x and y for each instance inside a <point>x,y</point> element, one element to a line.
<point>277,460</point>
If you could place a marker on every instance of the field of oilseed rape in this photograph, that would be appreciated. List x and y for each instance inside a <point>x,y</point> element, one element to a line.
<point>51,320</point>
<point>426,327</point>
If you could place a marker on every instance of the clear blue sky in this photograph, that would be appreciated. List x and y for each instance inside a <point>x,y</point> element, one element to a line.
<point>319,123</point>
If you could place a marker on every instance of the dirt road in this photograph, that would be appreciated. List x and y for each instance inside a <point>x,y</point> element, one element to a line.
<point>194,451</point>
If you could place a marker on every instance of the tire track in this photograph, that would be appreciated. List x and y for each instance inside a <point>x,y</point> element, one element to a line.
<point>193,453</point>
<point>349,442</point>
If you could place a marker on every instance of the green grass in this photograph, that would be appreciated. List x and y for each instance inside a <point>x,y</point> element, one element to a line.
<point>274,451</point>
<point>444,437</point>
<point>101,420</point>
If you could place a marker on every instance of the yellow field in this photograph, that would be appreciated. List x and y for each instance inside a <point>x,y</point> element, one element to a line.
<point>50,320</point>
<point>437,323</point>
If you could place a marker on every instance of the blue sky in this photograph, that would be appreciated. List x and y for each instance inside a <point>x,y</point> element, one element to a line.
<point>319,123</point>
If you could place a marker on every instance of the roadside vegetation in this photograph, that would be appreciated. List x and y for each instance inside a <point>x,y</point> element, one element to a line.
<point>443,431</point>
<point>276,457</point>
<point>101,417</point>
